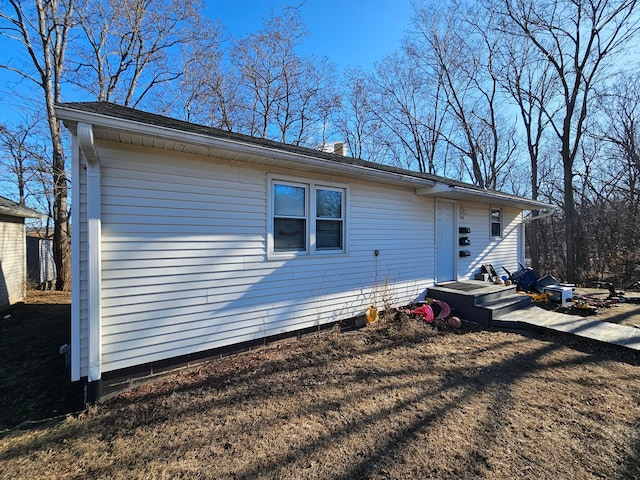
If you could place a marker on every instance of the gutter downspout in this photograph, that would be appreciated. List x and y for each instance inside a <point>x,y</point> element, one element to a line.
<point>87,145</point>
<point>75,266</point>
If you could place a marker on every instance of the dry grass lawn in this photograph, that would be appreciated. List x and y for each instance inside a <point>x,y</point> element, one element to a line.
<point>392,401</point>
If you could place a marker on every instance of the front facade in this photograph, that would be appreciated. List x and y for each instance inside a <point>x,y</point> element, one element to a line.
<point>191,239</point>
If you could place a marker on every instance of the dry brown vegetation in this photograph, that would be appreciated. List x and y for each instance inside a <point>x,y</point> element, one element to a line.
<point>395,400</point>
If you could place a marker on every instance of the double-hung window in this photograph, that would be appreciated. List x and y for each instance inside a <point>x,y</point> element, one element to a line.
<point>329,219</point>
<point>307,218</point>
<point>496,222</point>
<point>289,217</point>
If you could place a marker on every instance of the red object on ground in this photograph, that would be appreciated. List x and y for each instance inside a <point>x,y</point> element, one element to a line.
<point>445,309</point>
<point>424,311</point>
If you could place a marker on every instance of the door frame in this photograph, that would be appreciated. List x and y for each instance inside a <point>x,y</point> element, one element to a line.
<point>454,236</point>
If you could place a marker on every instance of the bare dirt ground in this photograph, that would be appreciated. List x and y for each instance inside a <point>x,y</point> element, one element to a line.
<point>395,400</point>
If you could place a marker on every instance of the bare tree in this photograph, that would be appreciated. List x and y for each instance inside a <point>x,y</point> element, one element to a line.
<point>283,96</point>
<point>407,105</point>
<point>357,119</point>
<point>129,48</point>
<point>42,32</point>
<point>23,156</point>
<point>615,189</point>
<point>15,158</point>
<point>208,90</point>
<point>461,54</point>
<point>619,126</point>
<point>578,40</point>
<point>531,88</point>
<point>26,159</point>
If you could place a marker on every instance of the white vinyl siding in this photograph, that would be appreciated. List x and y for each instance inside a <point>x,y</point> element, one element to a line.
<point>184,257</point>
<point>186,264</point>
<point>485,248</point>
<point>12,260</point>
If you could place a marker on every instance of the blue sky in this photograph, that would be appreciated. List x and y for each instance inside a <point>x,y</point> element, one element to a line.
<point>349,32</point>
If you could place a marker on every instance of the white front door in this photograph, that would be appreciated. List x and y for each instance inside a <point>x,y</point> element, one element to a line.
<point>446,244</point>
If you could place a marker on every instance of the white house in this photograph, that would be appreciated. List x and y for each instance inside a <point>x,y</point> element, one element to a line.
<point>13,257</point>
<point>189,239</point>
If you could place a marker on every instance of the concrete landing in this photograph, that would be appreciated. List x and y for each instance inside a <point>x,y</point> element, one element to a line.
<point>477,300</point>
<point>586,327</point>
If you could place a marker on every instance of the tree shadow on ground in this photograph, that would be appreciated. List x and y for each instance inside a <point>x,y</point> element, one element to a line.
<point>336,409</point>
<point>34,379</point>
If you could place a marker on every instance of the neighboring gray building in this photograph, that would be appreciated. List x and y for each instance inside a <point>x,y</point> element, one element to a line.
<point>13,257</point>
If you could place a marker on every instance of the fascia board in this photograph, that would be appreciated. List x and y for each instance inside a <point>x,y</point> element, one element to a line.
<point>240,148</point>
<point>523,203</point>
<point>20,212</point>
<point>459,192</point>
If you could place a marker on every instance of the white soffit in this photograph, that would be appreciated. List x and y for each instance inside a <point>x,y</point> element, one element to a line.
<point>470,194</point>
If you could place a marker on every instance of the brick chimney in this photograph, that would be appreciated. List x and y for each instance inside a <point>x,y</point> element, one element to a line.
<point>339,148</point>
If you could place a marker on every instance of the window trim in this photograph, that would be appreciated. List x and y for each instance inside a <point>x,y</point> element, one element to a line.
<point>314,242</point>
<point>311,187</point>
<point>305,217</point>
<point>491,222</point>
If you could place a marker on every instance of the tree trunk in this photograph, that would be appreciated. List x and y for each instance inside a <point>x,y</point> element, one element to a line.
<point>61,237</point>
<point>532,239</point>
<point>569,219</point>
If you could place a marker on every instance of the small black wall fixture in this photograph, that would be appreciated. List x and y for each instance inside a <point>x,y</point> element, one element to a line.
<point>465,253</point>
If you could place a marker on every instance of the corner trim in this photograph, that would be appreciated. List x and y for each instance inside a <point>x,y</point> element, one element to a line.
<point>94,247</point>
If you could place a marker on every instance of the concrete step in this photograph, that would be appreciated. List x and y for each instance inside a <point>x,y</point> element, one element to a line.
<point>470,292</point>
<point>479,302</point>
<point>506,304</point>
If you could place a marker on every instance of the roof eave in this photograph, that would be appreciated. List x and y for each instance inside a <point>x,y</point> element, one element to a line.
<point>20,212</point>
<point>238,149</point>
<point>242,150</point>
<point>460,192</point>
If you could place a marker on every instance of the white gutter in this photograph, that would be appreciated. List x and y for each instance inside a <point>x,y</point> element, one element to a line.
<point>500,196</point>
<point>444,190</point>
<point>540,217</point>
<point>87,145</point>
<point>238,147</point>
